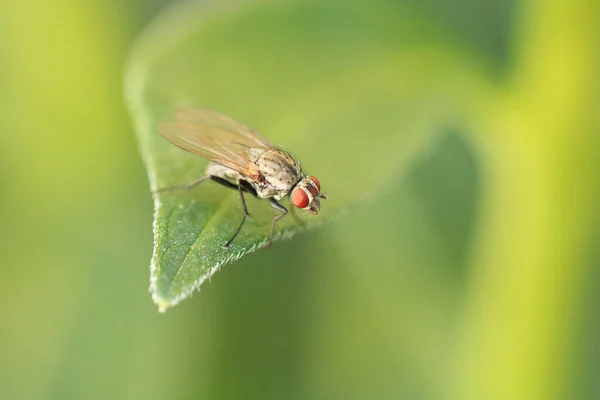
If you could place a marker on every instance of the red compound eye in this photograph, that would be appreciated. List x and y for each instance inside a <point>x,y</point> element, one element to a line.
<point>313,190</point>
<point>299,198</point>
<point>315,181</point>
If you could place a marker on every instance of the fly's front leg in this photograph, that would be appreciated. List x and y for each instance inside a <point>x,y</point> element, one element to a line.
<point>244,209</point>
<point>284,212</point>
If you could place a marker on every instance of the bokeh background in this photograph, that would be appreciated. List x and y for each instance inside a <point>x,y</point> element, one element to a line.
<point>473,276</point>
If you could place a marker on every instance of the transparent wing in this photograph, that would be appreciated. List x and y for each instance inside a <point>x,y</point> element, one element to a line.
<point>215,137</point>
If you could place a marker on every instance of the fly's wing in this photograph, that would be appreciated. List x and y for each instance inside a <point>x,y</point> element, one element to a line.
<point>215,137</point>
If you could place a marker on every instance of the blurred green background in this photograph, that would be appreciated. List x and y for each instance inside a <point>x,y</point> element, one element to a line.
<point>473,276</point>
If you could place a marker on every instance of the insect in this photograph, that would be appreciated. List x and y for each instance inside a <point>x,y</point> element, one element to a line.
<point>241,159</point>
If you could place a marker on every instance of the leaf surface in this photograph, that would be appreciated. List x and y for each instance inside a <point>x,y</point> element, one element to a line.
<point>354,95</point>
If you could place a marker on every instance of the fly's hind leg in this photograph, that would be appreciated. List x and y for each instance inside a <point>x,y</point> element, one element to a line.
<point>186,186</point>
<point>240,187</point>
<point>283,211</point>
<point>244,208</point>
<point>198,181</point>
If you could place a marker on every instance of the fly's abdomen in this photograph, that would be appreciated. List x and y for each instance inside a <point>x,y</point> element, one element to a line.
<point>222,172</point>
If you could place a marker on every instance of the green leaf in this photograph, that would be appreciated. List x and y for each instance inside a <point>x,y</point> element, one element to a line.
<point>352,93</point>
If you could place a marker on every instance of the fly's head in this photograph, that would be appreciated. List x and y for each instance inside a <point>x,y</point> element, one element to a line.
<point>307,194</point>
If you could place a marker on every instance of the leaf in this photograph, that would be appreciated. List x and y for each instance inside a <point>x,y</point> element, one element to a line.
<point>350,92</point>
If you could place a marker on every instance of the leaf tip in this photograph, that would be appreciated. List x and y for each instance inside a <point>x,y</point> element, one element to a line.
<point>162,304</point>
<point>162,308</point>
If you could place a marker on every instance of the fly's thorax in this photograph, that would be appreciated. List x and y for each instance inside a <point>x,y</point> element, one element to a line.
<point>306,195</point>
<point>279,170</point>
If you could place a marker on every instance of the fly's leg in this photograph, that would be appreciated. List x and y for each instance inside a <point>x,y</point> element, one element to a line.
<point>244,209</point>
<point>241,187</point>
<point>186,186</point>
<point>283,211</point>
<point>190,185</point>
<point>223,182</point>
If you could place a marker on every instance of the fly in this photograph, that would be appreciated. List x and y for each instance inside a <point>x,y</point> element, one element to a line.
<point>241,159</point>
